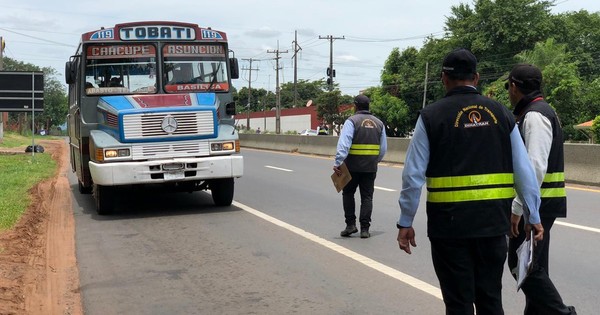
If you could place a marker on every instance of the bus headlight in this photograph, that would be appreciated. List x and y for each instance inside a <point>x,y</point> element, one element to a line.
<point>222,146</point>
<point>109,154</point>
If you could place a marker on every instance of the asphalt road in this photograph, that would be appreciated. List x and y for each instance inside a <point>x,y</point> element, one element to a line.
<point>277,249</point>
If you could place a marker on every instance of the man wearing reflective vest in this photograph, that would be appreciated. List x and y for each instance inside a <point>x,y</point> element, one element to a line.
<point>362,145</point>
<point>542,133</point>
<point>469,151</point>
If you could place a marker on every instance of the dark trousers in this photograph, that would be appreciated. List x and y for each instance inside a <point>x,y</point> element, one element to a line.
<point>470,272</point>
<point>366,182</point>
<point>541,296</point>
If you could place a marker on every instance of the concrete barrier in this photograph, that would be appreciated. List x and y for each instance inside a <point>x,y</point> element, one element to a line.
<point>582,161</point>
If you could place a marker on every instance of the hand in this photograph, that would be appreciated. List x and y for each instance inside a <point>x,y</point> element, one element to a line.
<point>337,170</point>
<point>406,238</point>
<point>539,231</point>
<point>514,225</point>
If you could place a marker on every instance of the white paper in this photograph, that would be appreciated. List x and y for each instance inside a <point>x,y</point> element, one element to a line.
<point>525,258</point>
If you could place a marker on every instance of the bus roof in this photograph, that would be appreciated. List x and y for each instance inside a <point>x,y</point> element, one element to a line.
<point>154,31</point>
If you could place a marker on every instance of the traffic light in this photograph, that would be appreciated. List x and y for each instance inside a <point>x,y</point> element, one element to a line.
<point>330,73</point>
<point>328,81</point>
<point>2,44</point>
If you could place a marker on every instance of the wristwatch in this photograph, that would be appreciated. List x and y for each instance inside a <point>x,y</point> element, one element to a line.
<point>401,227</point>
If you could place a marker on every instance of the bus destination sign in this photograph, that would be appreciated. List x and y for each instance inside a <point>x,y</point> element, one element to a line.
<point>157,32</point>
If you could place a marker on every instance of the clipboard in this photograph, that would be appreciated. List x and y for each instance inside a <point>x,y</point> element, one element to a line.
<point>525,260</point>
<point>339,182</point>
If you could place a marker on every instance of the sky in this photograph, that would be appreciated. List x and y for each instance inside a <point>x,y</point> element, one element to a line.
<point>46,33</point>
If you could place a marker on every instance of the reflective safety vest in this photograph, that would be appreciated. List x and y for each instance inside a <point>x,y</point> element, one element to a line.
<point>470,183</point>
<point>553,193</point>
<point>363,155</point>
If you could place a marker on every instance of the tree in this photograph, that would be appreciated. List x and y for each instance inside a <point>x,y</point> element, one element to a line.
<point>55,101</point>
<point>580,31</point>
<point>495,30</point>
<point>596,129</point>
<point>328,109</point>
<point>307,90</point>
<point>393,112</point>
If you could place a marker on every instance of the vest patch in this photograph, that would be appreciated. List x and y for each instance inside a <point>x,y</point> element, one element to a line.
<point>474,117</point>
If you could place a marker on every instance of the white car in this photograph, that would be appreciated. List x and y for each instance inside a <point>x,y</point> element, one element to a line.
<point>309,132</point>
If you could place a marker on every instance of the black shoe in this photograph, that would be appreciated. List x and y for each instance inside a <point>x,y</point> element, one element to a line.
<point>364,233</point>
<point>350,229</point>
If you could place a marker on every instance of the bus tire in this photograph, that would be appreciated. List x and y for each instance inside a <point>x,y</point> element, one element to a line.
<point>84,190</point>
<point>222,191</point>
<point>105,199</point>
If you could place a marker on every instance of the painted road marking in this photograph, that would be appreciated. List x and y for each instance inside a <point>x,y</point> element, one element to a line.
<point>278,168</point>
<point>412,281</point>
<point>384,189</point>
<point>576,226</point>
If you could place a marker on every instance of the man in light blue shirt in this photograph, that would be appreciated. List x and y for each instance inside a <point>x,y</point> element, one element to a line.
<point>362,144</point>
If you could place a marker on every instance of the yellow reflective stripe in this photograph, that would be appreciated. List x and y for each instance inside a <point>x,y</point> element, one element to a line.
<point>365,146</point>
<point>471,195</point>
<point>363,152</point>
<point>470,180</point>
<point>553,192</point>
<point>554,177</point>
<point>364,149</point>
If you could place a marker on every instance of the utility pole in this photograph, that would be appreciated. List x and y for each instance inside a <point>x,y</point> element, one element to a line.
<point>330,70</point>
<point>425,83</point>
<point>249,92</point>
<point>277,94</point>
<point>297,48</point>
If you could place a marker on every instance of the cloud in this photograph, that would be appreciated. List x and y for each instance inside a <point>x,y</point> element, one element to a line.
<point>347,58</point>
<point>263,32</point>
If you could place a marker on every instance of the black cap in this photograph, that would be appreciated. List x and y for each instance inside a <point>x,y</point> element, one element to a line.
<point>460,61</point>
<point>362,100</point>
<point>526,76</point>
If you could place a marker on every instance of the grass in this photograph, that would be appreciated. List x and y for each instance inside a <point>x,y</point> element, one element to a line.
<point>18,174</point>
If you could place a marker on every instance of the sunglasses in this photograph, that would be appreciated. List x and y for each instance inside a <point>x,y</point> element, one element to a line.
<point>506,85</point>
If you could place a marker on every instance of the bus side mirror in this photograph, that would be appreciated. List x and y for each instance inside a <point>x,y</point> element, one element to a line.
<point>234,68</point>
<point>70,72</point>
<point>230,109</point>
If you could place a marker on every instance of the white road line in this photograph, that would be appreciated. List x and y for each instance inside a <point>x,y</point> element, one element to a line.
<point>575,226</point>
<point>412,281</point>
<point>384,189</point>
<point>278,168</point>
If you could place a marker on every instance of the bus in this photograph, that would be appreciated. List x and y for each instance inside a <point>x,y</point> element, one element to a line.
<point>151,103</point>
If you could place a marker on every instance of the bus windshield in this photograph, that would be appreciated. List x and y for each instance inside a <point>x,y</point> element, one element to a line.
<point>120,69</point>
<point>195,67</point>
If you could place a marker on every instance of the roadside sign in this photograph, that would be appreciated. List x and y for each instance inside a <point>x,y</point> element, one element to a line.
<point>21,91</point>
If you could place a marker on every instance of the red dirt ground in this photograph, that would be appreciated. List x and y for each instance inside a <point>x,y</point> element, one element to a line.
<point>38,267</point>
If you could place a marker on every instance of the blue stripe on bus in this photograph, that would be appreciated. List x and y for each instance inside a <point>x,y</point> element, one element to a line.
<point>206,98</point>
<point>117,102</point>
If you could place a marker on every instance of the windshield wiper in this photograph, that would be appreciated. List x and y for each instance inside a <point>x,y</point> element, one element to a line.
<point>214,77</point>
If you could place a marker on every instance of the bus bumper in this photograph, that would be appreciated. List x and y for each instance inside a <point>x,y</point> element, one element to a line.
<point>166,170</point>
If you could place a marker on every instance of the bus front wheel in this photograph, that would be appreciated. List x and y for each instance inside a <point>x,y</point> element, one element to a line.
<point>222,191</point>
<point>105,199</point>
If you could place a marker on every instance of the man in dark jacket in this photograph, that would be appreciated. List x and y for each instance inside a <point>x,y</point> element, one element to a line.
<point>542,133</point>
<point>469,151</point>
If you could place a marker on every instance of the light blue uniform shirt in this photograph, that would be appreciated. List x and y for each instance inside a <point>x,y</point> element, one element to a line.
<point>417,159</point>
<point>345,141</point>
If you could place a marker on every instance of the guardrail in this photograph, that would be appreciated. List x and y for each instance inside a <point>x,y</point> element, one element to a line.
<point>582,161</point>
